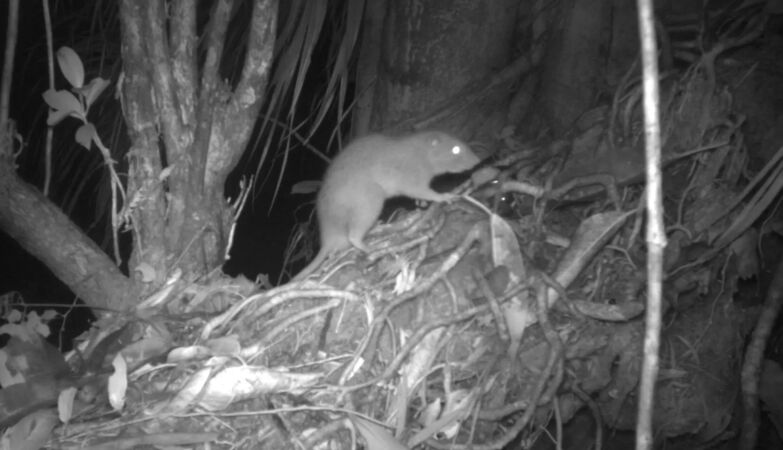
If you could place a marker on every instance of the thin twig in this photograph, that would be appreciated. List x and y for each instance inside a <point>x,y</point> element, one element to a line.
<point>8,71</point>
<point>656,233</point>
<point>50,65</point>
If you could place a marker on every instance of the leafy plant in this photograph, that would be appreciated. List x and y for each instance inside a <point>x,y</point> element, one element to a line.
<point>76,103</point>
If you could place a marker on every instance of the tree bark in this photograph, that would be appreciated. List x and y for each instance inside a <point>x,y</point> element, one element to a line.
<point>432,51</point>
<point>575,61</point>
<point>179,211</point>
<point>188,128</point>
<point>367,64</point>
<point>47,233</point>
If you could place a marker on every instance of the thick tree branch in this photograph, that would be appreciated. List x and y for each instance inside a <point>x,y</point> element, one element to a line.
<point>145,166</point>
<point>47,233</point>
<point>239,115</point>
<point>184,43</point>
<point>216,38</point>
<point>176,137</point>
<point>210,91</point>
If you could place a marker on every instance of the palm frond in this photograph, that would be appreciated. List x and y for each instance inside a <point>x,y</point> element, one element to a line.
<point>303,34</point>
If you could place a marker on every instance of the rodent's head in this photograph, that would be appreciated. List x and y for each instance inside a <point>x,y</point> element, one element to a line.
<point>447,153</point>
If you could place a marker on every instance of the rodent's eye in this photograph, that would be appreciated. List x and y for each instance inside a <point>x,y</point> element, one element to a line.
<point>456,150</point>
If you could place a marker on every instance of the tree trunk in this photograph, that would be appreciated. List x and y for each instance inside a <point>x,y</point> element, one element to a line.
<point>188,128</point>
<point>181,217</point>
<point>367,64</point>
<point>575,61</point>
<point>434,50</point>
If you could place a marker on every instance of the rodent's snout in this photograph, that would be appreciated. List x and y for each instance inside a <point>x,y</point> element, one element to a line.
<point>469,161</point>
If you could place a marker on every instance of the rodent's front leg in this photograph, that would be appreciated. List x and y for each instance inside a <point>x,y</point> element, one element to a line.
<point>425,193</point>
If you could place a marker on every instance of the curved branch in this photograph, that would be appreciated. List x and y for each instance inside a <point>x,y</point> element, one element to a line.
<point>239,115</point>
<point>47,233</point>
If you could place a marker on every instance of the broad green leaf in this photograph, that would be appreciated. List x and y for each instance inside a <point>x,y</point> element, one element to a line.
<point>85,135</point>
<point>65,404</point>
<point>56,116</point>
<point>118,383</point>
<point>63,101</point>
<point>71,66</point>
<point>93,89</point>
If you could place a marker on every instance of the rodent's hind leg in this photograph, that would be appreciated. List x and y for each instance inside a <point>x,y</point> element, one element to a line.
<point>362,220</point>
<point>358,243</point>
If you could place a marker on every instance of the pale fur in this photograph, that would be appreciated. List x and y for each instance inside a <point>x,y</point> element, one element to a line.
<point>372,169</point>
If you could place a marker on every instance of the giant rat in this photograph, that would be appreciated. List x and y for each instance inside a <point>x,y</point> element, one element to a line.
<point>372,169</point>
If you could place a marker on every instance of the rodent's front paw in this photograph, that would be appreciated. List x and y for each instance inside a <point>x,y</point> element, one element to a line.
<point>437,198</point>
<point>448,197</point>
